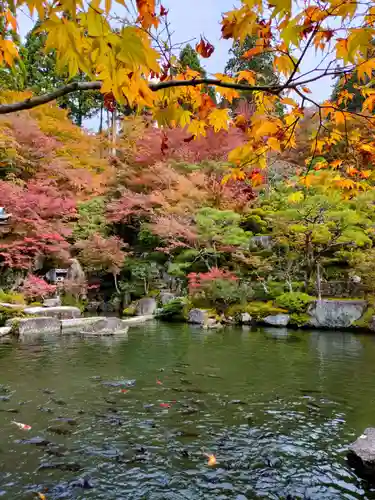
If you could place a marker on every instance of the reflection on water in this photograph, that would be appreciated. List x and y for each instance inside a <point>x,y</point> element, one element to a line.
<point>277,407</point>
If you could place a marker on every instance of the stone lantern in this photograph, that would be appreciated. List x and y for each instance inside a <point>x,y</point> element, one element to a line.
<point>4,216</point>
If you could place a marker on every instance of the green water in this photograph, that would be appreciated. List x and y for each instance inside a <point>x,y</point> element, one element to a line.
<point>277,409</point>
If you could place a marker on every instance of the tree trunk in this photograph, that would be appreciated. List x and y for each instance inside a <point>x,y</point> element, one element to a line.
<point>101,117</point>
<point>114,131</point>
<point>318,281</point>
<point>116,285</point>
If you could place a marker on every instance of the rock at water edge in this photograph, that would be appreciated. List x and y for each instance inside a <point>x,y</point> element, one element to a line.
<point>336,313</point>
<point>212,324</point>
<point>198,316</point>
<point>245,319</point>
<point>62,312</point>
<point>75,325</point>
<point>277,320</point>
<point>166,297</point>
<point>146,306</point>
<point>104,326</point>
<point>5,330</point>
<point>34,326</point>
<point>361,455</point>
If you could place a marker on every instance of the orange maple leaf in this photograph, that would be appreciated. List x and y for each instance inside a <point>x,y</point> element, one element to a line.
<point>147,15</point>
<point>204,48</point>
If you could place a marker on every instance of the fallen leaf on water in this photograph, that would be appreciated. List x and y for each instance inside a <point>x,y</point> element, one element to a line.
<point>24,427</point>
<point>211,460</point>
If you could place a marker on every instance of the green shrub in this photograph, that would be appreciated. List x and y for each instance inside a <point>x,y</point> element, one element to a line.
<point>257,310</point>
<point>130,310</point>
<point>299,319</point>
<point>173,311</point>
<point>70,300</point>
<point>35,304</point>
<point>11,297</point>
<point>365,320</point>
<point>7,313</point>
<point>294,302</point>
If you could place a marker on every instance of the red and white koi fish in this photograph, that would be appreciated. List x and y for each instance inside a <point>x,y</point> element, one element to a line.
<point>159,382</point>
<point>23,427</point>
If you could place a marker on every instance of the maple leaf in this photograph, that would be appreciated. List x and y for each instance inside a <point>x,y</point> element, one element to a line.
<point>204,48</point>
<point>197,128</point>
<point>248,76</point>
<point>147,16</point>
<point>163,11</point>
<point>296,197</point>
<point>219,119</point>
<point>365,70</point>
<point>284,64</point>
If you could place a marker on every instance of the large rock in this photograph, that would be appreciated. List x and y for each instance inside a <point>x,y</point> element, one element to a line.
<point>61,312</point>
<point>198,317</point>
<point>5,330</point>
<point>14,307</point>
<point>55,302</point>
<point>33,326</point>
<point>146,306</point>
<point>277,319</point>
<point>166,297</point>
<point>93,326</point>
<point>361,455</point>
<point>336,313</point>
<point>137,320</point>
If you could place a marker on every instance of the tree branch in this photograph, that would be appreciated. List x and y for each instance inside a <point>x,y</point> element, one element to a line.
<point>33,102</point>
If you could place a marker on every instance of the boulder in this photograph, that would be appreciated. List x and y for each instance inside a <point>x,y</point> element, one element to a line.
<point>361,455</point>
<point>198,316</point>
<point>75,325</point>
<point>33,326</point>
<point>166,297</point>
<point>62,312</point>
<point>277,320</point>
<point>5,330</point>
<point>137,320</point>
<point>245,319</point>
<point>55,302</point>
<point>104,326</point>
<point>146,306</point>
<point>336,313</point>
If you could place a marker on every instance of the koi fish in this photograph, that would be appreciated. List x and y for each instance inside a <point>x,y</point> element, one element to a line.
<point>124,391</point>
<point>159,382</point>
<point>165,405</point>
<point>41,496</point>
<point>24,427</point>
<point>211,460</point>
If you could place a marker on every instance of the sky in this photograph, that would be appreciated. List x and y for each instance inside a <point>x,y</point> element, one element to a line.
<point>190,19</point>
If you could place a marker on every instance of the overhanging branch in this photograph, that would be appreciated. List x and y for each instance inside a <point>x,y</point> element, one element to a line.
<point>33,102</point>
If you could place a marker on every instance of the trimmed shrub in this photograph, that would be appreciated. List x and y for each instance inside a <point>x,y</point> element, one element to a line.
<point>257,310</point>
<point>294,302</point>
<point>173,311</point>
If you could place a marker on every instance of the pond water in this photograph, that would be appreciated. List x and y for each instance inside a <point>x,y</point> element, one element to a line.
<point>277,408</point>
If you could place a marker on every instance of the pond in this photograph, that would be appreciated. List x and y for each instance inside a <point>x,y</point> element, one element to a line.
<point>132,418</point>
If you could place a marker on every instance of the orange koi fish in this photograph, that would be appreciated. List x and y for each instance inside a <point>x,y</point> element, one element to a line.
<point>24,427</point>
<point>211,459</point>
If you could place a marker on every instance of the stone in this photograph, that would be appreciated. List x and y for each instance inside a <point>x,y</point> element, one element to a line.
<point>166,297</point>
<point>62,312</point>
<point>336,313</point>
<point>55,302</point>
<point>74,325</point>
<point>19,307</point>
<point>104,326</point>
<point>198,316</point>
<point>277,320</point>
<point>212,324</point>
<point>146,306</point>
<point>33,326</point>
<point>5,330</point>
<point>137,320</point>
<point>245,319</point>
<point>361,455</point>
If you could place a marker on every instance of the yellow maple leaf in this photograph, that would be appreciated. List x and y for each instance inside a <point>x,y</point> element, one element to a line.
<point>289,101</point>
<point>197,128</point>
<point>248,76</point>
<point>284,64</point>
<point>282,7</point>
<point>339,117</point>
<point>274,144</point>
<point>219,119</point>
<point>365,69</point>
<point>183,117</point>
<point>266,128</point>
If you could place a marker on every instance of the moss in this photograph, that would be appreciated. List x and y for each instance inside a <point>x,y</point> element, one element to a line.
<point>365,320</point>
<point>257,310</point>
<point>173,311</point>
<point>11,297</point>
<point>35,304</point>
<point>299,319</point>
<point>130,310</point>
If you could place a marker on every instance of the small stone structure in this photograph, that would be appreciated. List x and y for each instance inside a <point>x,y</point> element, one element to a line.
<point>61,312</point>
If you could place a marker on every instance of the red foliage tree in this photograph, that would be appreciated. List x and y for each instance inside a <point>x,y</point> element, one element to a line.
<point>35,288</point>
